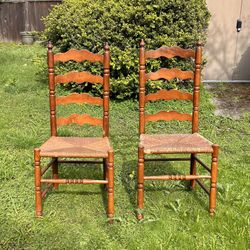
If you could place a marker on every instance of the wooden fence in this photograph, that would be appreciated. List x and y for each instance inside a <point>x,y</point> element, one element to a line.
<point>17,16</point>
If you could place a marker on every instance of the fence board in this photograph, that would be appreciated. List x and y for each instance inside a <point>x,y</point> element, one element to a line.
<point>12,17</point>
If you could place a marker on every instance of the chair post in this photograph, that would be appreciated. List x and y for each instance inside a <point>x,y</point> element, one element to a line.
<point>110,174</point>
<point>55,172</point>
<point>142,88</point>
<point>106,76</point>
<point>214,172</point>
<point>52,98</point>
<point>192,169</point>
<point>196,94</point>
<point>140,183</point>
<point>38,190</point>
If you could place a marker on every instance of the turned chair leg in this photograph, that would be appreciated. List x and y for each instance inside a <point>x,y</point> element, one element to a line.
<point>105,176</point>
<point>55,173</point>
<point>214,172</point>
<point>110,175</point>
<point>192,170</point>
<point>38,191</point>
<point>140,183</point>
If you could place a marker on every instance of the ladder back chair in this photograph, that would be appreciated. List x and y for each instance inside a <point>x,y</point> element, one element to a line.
<point>192,143</point>
<point>57,147</point>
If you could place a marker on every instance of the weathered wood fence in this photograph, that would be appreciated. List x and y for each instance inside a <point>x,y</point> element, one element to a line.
<point>17,16</point>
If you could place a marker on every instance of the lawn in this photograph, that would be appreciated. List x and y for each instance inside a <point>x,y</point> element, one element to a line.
<point>74,215</point>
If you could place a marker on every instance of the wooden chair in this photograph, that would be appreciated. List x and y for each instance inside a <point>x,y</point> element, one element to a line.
<point>58,147</point>
<point>192,143</point>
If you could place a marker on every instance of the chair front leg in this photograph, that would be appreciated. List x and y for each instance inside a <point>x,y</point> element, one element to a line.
<point>140,183</point>
<point>55,172</point>
<point>105,166</point>
<point>214,172</point>
<point>38,191</point>
<point>192,170</point>
<point>110,175</point>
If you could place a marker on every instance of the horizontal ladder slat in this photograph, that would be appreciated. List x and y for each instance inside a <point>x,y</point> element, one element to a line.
<point>170,53</point>
<point>78,98</point>
<point>79,77</point>
<point>172,94</point>
<point>80,162</point>
<point>203,186</point>
<point>170,74</point>
<point>167,159</point>
<point>78,56</point>
<point>177,177</point>
<point>168,116</point>
<point>202,164</point>
<point>80,120</point>
<point>74,181</point>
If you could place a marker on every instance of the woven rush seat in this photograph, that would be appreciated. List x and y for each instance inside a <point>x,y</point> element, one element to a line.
<point>175,143</point>
<point>81,147</point>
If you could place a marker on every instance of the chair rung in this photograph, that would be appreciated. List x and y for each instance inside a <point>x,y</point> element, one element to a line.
<point>47,167</point>
<point>202,164</point>
<point>203,186</point>
<point>80,162</point>
<point>45,191</point>
<point>177,177</point>
<point>167,159</point>
<point>74,181</point>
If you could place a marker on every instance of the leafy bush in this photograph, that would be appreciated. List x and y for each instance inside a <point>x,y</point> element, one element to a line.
<point>85,24</point>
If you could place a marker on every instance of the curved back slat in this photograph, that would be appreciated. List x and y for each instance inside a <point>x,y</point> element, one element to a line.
<point>168,116</point>
<point>78,56</point>
<point>167,95</point>
<point>78,98</point>
<point>80,120</point>
<point>170,52</point>
<point>79,77</point>
<point>170,74</point>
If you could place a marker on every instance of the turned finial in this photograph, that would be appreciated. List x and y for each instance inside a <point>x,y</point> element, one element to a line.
<point>50,45</point>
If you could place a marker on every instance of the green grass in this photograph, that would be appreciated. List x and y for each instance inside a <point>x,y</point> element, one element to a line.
<point>74,216</point>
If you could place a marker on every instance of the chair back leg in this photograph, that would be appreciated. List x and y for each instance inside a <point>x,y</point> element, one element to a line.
<point>38,190</point>
<point>110,174</point>
<point>140,181</point>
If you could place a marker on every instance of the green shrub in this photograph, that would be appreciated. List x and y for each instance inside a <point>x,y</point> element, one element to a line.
<point>85,24</point>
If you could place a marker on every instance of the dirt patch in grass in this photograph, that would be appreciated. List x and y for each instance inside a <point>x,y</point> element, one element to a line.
<point>230,99</point>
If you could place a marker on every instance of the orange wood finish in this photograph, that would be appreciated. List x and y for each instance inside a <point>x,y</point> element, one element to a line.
<point>170,53</point>
<point>78,77</point>
<point>168,116</point>
<point>57,147</point>
<point>156,144</point>
<point>170,74</point>
<point>80,120</point>
<point>167,95</point>
<point>78,98</point>
<point>78,56</point>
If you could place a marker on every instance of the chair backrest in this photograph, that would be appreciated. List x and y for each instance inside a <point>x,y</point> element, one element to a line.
<point>169,74</point>
<point>79,77</point>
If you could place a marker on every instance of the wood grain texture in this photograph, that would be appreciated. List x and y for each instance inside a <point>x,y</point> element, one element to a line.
<point>170,53</point>
<point>78,56</point>
<point>168,116</point>
<point>79,98</point>
<point>170,74</point>
<point>172,94</point>
<point>78,77</point>
<point>80,120</point>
